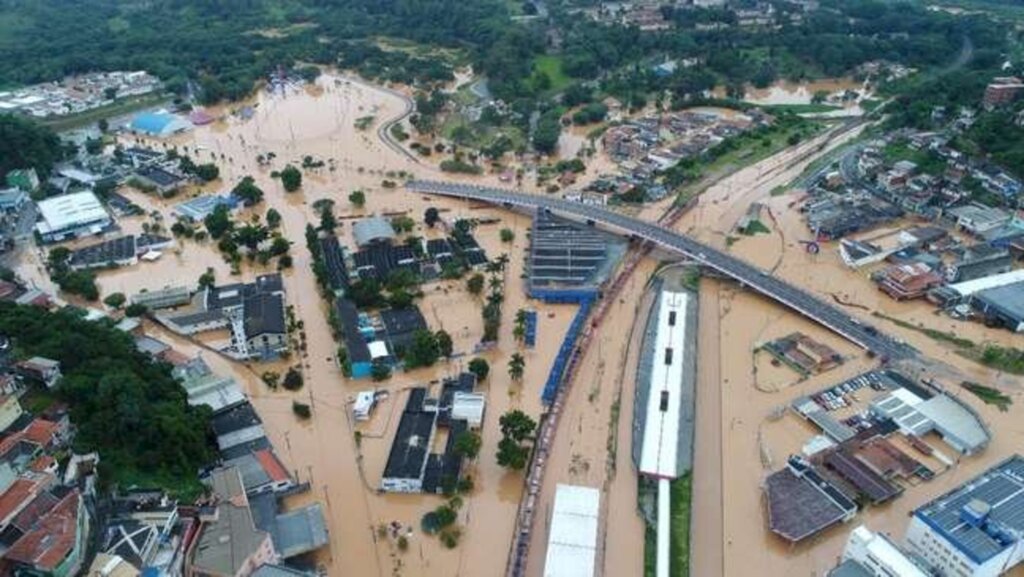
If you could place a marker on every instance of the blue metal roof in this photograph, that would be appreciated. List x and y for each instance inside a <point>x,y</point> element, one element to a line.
<point>152,122</point>
<point>1002,489</point>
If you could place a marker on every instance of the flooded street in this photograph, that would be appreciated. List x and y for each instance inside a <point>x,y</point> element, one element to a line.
<point>737,442</point>
<point>320,123</point>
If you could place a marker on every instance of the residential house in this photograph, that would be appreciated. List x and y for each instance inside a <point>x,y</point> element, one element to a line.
<point>10,411</point>
<point>977,218</point>
<point>262,472</point>
<point>228,543</point>
<point>41,369</point>
<point>979,261</point>
<point>56,544</point>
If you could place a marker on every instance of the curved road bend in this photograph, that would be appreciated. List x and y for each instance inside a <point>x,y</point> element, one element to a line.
<point>384,130</point>
<point>801,301</point>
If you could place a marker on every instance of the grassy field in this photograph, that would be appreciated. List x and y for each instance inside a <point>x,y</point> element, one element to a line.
<point>925,161</point>
<point>116,109</point>
<point>679,538</point>
<point>989,395</point>
<point>752,151</point>
<point>552,67</point>
<point>679,546</point>
<point>801,108</point>
<point>1006,359</point>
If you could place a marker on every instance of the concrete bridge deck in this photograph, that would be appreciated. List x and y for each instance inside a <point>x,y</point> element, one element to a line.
<point>797,299</point>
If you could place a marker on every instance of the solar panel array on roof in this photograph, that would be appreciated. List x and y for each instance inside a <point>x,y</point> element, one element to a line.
<point>565,253</point>
<point>438,247</point>
<point>114,251</point>
<point>1000,490</point>
<point>334,262</point>
<point>380,260</point>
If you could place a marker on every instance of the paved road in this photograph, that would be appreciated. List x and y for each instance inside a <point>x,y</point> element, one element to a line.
<point>760,280</point>
<point>384,130</point>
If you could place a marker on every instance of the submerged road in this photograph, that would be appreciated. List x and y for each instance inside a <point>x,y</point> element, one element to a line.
<point>797,299</point>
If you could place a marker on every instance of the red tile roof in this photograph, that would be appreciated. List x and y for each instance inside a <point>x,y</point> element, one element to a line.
<point>52,538</point>
<point>21,492</point>
<point>42,463</point>
<point>43,503</point>
<point>272,465</point>
<point>41,432</point>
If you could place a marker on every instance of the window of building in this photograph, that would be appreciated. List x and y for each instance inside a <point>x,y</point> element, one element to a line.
<point>668,355</point>
<point>664,401</point>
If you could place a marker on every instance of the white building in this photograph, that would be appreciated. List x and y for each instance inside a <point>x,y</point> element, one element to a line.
<point>877,556</point>
<point>70,216</point>
<point>660,447</point>
<point>572,541</point>
<point>975,530</point>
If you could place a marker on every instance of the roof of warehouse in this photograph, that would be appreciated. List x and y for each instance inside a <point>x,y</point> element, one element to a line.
<point>660,450</point>
<point>68,210</point>
<point>572,541</point>
<point>372,229</point>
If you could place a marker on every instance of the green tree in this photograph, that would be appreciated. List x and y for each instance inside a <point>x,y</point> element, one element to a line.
<point>247,191</point>
<point>423,352</point>
<point>292,379</point>
<point>401,224</point>
<point>135,310</point>
<point>517,425</point>
<point>516,367</point>
<point>27,144</point>
<point>273,218</point>
<point>328,222</point>
<point>468,444</point>
<point>380,370</point>
<point>480,368</point>
<point>475,284</point>
<point>218,223</point>
<point>301,410</point>
<point>431,217</point>
<point>519,328</point>
<point>357,198</point>
<point>507,235</point>
<point>207,279</point>
<point>115,300</point>
<point>444,343</point>
<point>122,404</point>
<point>291,178</point>
<point>512,455</point>
<point>207,172</point>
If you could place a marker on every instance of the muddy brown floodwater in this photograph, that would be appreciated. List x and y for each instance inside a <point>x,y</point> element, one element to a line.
<point>735,446</point>
<point>319,122</point>
<point>737,441</point>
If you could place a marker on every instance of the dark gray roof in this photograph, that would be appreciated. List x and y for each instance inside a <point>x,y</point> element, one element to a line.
<point>159,176</point>
<point>401,324</point>
<point>348,321</point>
<point>118,249</point>
<point>409,450</point>
<point>264,315</point>
<point>334,262</point>
<point>850,568</point>
<point>1007,299</point>
<point>241,417</point>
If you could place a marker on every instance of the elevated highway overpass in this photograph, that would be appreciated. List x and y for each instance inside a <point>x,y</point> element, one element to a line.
<point>797,299</point>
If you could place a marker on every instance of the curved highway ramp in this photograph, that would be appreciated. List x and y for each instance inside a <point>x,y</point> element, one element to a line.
<point>797,299</point>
